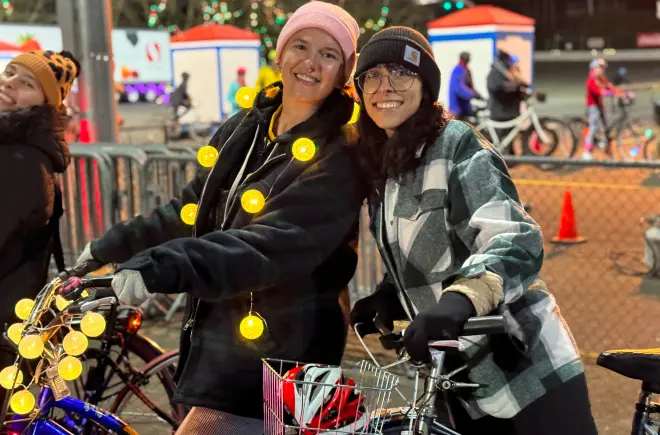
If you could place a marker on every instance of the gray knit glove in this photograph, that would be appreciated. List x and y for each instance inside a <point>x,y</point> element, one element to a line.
<point>129,287</point>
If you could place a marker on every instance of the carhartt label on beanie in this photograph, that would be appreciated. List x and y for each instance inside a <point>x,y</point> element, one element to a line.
<point>411,55</point>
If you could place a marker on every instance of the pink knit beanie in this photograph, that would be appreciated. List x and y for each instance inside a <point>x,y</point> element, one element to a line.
<point>330,18</point>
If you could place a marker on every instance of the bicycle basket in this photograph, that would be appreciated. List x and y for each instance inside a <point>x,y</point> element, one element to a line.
<point>346,401</point>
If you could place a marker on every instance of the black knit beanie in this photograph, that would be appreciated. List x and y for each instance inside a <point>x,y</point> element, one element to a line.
<point>402,46</point>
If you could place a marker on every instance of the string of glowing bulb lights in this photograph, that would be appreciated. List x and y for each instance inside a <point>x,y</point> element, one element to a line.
<point>379,23</point>
<point>32,346</point>
<point>7,8</point>
<point>253,325</point>
<point>219,12</point>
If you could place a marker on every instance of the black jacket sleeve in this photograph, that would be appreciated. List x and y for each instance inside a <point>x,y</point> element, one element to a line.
<point>297,231</point>
<point>124,240</point>
<point>27,199</point>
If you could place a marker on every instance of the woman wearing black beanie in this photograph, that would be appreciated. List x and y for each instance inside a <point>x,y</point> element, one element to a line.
<point>457,244</point>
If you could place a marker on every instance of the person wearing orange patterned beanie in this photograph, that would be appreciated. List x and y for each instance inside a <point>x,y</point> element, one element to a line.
<point>32,152</point>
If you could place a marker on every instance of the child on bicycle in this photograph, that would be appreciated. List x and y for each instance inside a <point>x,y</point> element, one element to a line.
<point>597,86</point>
<point>457,244</point>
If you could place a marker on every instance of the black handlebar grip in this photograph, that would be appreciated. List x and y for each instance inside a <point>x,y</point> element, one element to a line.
<point>486,325</point>
<point>81,269</point>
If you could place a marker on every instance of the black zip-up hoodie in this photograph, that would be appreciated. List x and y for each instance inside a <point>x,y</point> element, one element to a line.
<point>295,255</point>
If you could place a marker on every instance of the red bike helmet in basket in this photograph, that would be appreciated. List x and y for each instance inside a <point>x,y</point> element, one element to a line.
<point>320,399</point>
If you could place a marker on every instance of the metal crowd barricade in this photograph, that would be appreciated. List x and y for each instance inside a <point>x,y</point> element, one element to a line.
<point>86,194</point>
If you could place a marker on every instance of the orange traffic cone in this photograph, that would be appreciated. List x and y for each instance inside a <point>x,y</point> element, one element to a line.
<point>568,233</point>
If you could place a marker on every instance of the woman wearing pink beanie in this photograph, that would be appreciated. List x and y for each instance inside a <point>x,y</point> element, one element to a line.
<point>272,232</point>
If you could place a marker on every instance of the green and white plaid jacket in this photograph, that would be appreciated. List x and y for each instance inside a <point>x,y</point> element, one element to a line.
<point>458,215</point>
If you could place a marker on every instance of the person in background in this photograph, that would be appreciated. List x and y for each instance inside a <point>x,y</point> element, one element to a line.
<point>233,90</point>
<point>621,77</point>
<point>457,243</point>
<point>507,90</point>
<point>461,89</point>
<point>33,152</point>
<point>268,230</point>
<point>597,86</point>
<point>181,98</point>
<point>269,73</point>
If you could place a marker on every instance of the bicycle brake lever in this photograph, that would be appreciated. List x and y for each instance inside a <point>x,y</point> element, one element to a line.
<point>380,326</point>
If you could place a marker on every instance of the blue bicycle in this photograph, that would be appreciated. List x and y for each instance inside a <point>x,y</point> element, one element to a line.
<point>57,362</point>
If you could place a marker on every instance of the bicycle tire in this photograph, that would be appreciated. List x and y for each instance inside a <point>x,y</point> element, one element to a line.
<point>553,136</point>
<point>651,152</point>
<point>165,361</point>
<point>624,153</point>
<point>578,126</point>
<point>141,346</point>
<point>570,147</point>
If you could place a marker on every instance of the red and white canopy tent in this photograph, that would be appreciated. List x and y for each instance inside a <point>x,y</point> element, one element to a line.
<point>211,54</point>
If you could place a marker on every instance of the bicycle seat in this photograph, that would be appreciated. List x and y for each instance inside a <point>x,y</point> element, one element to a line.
<point>640,364</point>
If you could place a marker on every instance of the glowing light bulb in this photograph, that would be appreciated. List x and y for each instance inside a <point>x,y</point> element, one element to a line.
<point>252,201</point>
<point>61,303</point>
<point>75,343</point>
<point>69,368</point>
<point>31,346</point>
<point>245,97</point>
<point>207,155</point>
<point>22,402</point>
<point>23,308</point>
<point>14,332</point>
<point>303,149</point>
<point>92,324</point>
<point>251,327</point>
<point>189,214</point>
<point>356,114</point>
<point>11,377</point>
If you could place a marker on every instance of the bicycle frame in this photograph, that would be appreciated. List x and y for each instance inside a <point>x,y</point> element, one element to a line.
<point>529,114</point>
<point>46,402</point>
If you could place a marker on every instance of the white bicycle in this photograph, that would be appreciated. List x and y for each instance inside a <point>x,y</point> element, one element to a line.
<point>539,138</point>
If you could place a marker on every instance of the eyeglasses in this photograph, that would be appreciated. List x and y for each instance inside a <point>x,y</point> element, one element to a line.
<point>400,79</point>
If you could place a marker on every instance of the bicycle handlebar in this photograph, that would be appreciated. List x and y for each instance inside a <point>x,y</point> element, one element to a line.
<point>80,269</point>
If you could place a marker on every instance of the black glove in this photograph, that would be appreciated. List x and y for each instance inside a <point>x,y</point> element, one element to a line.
<point>383,302</point>
<point>443,321</point>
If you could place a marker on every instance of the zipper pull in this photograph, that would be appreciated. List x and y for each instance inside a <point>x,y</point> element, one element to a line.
<point>188,324</point>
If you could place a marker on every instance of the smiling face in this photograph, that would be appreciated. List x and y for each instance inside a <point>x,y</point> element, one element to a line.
<point>19,88</point>
<point>391,95</point>
<point>312,66</point>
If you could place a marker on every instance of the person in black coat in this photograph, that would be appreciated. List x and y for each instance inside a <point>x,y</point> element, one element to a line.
<point>32,152</point>
<point>269,230</point>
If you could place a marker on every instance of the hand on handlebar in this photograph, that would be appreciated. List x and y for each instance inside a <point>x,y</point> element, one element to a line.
<point>383,304</point>
<point>126,284</point>
<point>85,264</point>
<point>442,321</point>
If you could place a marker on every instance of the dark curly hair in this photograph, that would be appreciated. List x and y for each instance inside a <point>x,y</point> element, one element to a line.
<point>382,157</point>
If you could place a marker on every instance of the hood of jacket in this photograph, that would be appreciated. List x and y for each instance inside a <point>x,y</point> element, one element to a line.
<point>41,127</point>
<point>335,112</point>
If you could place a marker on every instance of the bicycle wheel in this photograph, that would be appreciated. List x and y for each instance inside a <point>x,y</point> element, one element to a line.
<point>135,356</point>
<point>131,408</point>
<point>533,145</point>
<point>651,151</point>
<point>630,143</point>
<point>568,141</point>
